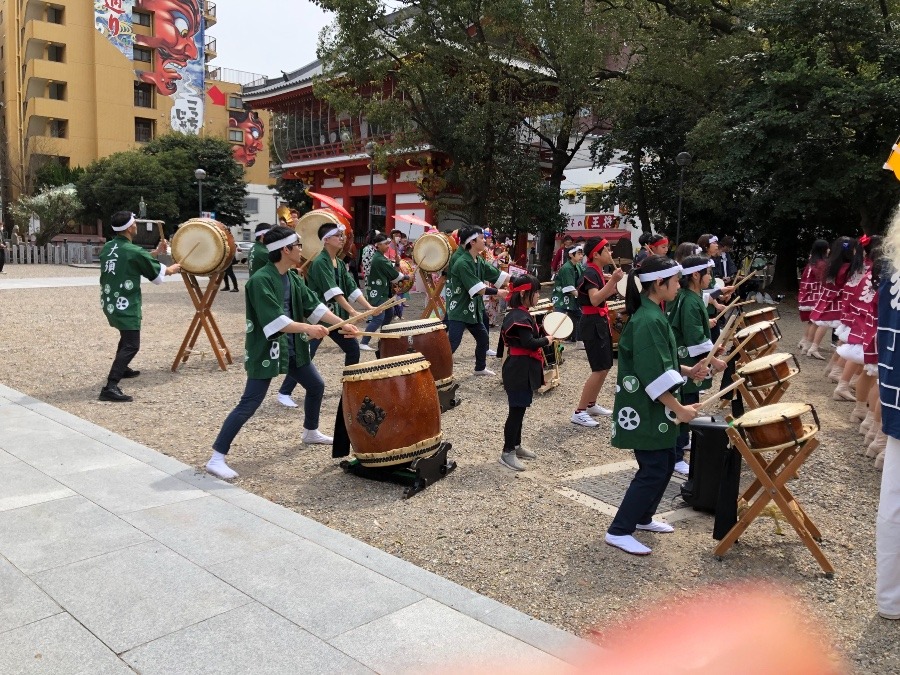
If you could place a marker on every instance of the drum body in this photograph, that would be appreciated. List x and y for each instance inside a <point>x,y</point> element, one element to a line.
<point>765,314</point>
<point>432,251</point>
<point>402,287</point>
<point>426,336</point>
<point>762,335</point>
<point>391,410</point>
<point>552,353</point>
<point>617,320</point>
<point>778,426</point>
<point>768,371</point>
<point>307,228</point>
<point>203,246</point>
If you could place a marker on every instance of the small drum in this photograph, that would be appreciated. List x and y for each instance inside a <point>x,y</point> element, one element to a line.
<point>558,325</point>
<point>778,426</point>
<point>552,354</point>
<point>402,287</point>
<point>762,335</point>
<point>432,251</point>
<point>540,313</point>
<point>758,316</point>
<point>769,371</point>
<point>307,228</point>
<point>391,410</point>
<point>426,336</point>
<point>617,320</point>
<point>203,246</point>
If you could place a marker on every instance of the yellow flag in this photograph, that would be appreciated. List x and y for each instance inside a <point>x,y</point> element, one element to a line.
<point>893,162</point>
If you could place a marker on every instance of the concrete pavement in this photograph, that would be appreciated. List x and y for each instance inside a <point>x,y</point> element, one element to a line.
<point>115,558</point>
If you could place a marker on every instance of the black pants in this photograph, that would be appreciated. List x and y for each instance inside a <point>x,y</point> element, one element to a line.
<point>129,346</point>
<point>646,491</point>
<point>512,430</point>
<point>229,274</point>
<point>2,258</point>
<point>685,436</point>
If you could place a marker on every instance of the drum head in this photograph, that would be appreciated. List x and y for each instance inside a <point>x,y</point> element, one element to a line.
<point>416,327</point>
<point>431,252</point>
<point>719,283</point>
<point>382,369</point>
<point>307,228</point>
<point>772,413</point>
<point>622,283</point>
<point>755,328</point>
<point>764,363</point>
<point>558,325</point>
<point>203,246</point>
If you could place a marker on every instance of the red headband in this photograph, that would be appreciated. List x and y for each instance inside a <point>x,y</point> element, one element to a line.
<point>522,288</point>
<point>865,239</point>
<point>661,242</point>
<point>598,247</point>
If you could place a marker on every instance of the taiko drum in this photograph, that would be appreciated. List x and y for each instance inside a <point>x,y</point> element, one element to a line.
<point>762,335</point>
<point>203,246</point>
<point>769,370</point>
<point>769,314</point>
<point>426,336</point>
<point>778,426</point>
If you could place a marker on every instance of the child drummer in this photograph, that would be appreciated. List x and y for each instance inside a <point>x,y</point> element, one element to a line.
<point>691,326</point>
<point>647,411</point>
<point>565,291</point>
<point>523,369</point>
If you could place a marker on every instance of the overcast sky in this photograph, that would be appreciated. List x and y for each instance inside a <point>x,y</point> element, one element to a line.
<point>266,36</point>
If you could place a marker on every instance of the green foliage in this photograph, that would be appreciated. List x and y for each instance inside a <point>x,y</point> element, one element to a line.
<point>55,207</point>
<point>292,192</point>
<point>56,174</point>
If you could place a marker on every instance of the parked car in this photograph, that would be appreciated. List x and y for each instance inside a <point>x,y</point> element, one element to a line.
<point>243,251</point>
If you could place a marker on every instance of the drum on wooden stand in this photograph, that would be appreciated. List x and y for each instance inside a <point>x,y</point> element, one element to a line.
<point>769,371</point>
<point>777,426</point>
<point>402,287</point>
<point>617,320</point>
<point>759,336</point>
<point>203,246</point>
<point>431,252</point>
<point>391,410</point>
<point>307,229</point>
<point>758,316</point>
<point>429,338</point>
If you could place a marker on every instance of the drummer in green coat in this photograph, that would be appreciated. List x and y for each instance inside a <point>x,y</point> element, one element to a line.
<point>122,264</point>
<point>691,326</point>
<point>647,410</point>
<point>259,255</point>
<point>381,275</point>
<point>565,288</point>
<point>282,316</point>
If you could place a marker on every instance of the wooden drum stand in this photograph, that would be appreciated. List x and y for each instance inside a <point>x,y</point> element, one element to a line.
<point>203,318</point>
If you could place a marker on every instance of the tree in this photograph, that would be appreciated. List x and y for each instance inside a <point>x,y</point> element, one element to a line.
<point>54,173</point>
<point>293,193</point>
<point>55,207</point>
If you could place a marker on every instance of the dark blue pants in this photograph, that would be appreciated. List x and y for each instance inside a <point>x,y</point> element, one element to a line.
<point>643,496</point>
<point>255,392</point>
<point>685,435</point>
<point>478,331</point>
<point>128,347</point>
<point>376,322</point>
<point>348,345</point>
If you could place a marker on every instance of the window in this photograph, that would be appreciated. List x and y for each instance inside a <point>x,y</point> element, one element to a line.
<point>57,128</point>
<point>143,130</point>
<point>235,102</point>
<point>57,91</point>
<point>143,95</point>
<point>141,19</point>
<point>251,205</point>
<point>56,53</point>
<point>55,15</point>
<point>236,135</point>
<point>143,54</point>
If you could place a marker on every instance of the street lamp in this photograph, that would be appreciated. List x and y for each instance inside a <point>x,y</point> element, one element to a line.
<point>370,151</point>
<point>682,159</point>
<point>200,175</point>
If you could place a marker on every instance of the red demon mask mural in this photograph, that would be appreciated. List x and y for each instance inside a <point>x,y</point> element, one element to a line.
<point>176,24</point>
<point>247,121</point>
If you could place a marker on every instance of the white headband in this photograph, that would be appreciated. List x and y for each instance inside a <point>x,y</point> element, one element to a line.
<point>124,227</point>
<point>575,249</point>
<point>331,233</point>
<point>281,243</point>
<point>261,233</point>
<point>660,274</point>
<point>697,268</point>
<point>713,239</point>
<point>471,239</point>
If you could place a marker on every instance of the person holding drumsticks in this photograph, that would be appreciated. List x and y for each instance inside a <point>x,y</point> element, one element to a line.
<point>259,254</point>
<point>122,264</point>
<point>282,316</point>
<point>565,293</point>
<point>647,410</point>
<point>593,329</point>
<point>379,278</point>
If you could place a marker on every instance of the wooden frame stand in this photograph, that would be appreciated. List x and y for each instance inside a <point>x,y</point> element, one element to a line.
<point>435,301</point>
<point>203,318</point>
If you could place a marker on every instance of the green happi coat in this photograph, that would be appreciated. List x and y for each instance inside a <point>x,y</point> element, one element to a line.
<point>566,282</point>
<point>648,368</point>
<point>465,280</point>
<point>711,310</point>
<point>382,274</point>
<point>329,279</point>
<point>259,258</point>
<point>690,324</point>
<point>122,264</point>
<point>265,346</point>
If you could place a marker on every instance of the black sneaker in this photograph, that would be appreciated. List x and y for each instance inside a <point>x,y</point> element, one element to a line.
<point>114,395</point>
<point>234,290</point>
<point>129,373</point>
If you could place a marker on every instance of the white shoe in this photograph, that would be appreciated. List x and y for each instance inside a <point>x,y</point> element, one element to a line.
<point>628,544</point>
<point>579,345</point>
<point>365,348</point>
<point>485,372</point>
<point>491,352</point>
<point>584,419</point>
<point>682,467</point>
<point>598,410</point>
<point>218,468</point>
<point>286,401</point>
<point>509,460</point>
<point>656,526</point>
<point>315,437</point>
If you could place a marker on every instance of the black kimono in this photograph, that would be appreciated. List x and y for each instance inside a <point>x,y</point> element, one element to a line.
<point>523,368</point>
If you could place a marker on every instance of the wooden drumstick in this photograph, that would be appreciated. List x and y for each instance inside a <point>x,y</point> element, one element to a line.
<point>723,338</point>
<point>738,349</point>
<point>746,278</point>
<point>365,315</point>
<point>380,335</point>
<point>727,309</point>
<point>721,393</point>
<point>188,254</point>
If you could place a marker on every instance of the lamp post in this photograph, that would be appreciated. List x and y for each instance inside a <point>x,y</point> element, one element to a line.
<point>200,175</point>
<point>370,151</point>
<point>682,159</point>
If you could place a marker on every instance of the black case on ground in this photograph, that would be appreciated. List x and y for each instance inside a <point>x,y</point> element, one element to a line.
<point>715,472</point>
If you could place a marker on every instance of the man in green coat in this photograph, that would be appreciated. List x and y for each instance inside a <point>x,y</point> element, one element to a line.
<point>565,288</point>
<point>122,264</point>
<point>282,316</point>
<point>379,278</point>
<point>259,256</point>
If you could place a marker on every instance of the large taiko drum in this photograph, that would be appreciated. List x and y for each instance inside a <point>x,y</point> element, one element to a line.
<point>391,410</point>
<point>307,228</point>
<point>778,426</point>
<point>426,336</point>
<point>432,251</point>
<point>617,320</point>
<point>758,316</point>
<point>759,336</point>
<point>203,246</point>
<point>769,370</point>
<point>402,287</point>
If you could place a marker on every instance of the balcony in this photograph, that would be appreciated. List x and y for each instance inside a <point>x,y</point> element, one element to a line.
<point>45,32</point>
<point>46,107</point>
<point>209,46</point>
<point>209,13</point>
<point>48,145</point>
<point>46,70</point>
<point>323,151</point>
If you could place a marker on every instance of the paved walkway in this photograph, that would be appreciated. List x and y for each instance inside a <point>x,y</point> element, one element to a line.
<point>13,284</point>
<point>115,557</point>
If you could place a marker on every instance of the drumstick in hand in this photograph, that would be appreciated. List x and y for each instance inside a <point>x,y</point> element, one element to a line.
<point>721,393</point>
<point>188,255</point>
<point>727,309</point>
<point>746,278</point>
<point>379,335</point>
<point>738,349</point>
<point>723,337</point>
<point>365,315</point>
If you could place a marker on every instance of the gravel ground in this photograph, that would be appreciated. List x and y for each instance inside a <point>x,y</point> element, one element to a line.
<point>510,536</point>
